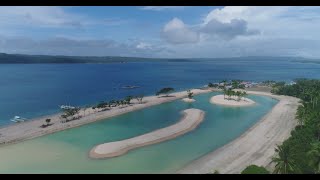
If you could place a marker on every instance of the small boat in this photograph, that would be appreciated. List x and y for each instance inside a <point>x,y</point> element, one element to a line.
<point>67,107</point>
<point>129,87</point>
<point>18,119</point>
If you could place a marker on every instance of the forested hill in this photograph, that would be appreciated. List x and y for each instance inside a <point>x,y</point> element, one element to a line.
<point>37,59</point>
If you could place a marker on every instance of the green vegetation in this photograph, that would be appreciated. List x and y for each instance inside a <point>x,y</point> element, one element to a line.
<point>212,85</point>
<point>70,112</point>
<point>229,93</point>
<point>48,121</point>
<point>190,94</point>
<point>254,169</point>
<point>301,152</point>
<point>166,91</point>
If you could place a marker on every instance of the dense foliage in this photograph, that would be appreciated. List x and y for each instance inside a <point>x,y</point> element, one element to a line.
<point>301,152</point>
<point>254,169</point>
<point>165,91</point>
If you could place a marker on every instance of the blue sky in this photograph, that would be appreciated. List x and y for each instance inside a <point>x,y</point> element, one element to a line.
<point>174,31</point>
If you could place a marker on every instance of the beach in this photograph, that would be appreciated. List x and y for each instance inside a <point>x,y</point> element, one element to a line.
<point>31,128</point>
<point>255,146</point>
<point>190,120</point>
<point>222,100</point>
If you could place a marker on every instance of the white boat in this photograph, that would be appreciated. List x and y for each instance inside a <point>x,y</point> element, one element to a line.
<point>66,107</point>
<point>18,119</point>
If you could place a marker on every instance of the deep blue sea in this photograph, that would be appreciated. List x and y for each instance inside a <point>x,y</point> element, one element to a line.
<point>32,90</point>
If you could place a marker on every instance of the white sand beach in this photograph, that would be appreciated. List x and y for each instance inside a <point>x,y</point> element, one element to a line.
<point>31,128</point>
<point>188,100</point>
<point>255,146</point>
<point>221,100</point>
<point>190,120</point>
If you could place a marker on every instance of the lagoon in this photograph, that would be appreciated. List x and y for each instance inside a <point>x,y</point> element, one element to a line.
<point>67,151</point>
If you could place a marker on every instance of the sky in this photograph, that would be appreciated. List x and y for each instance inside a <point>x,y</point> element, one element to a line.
<point>161,31</point>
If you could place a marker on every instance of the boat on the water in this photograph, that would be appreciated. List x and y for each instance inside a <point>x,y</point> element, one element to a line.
<point>18,119</point>
<point>129,87</point>
<point>67,107</point>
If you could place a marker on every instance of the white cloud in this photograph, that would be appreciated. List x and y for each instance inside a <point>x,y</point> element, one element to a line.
<point>162,8</point>
<point>39,16</point>
<point>176,32</point>
<point>228,30</point>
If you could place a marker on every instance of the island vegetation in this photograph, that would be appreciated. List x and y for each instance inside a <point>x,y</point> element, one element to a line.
<point>165,91</point>
<point>254,169</point>
<point>301,152</point>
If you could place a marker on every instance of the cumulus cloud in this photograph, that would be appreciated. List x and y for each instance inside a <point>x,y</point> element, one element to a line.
<point>176,32</point>
<point>228,30</point>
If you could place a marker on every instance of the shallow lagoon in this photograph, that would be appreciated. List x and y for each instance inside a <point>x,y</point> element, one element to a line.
<point>67,151</point>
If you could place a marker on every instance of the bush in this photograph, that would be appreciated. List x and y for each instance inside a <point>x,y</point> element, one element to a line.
<point>254,169</point>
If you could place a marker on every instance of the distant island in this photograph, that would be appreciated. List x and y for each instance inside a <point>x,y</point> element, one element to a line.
<point>50,59</point>
<point>60,59</point>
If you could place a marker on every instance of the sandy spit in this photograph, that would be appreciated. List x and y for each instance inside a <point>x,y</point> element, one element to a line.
<point>191,119</point>
<point>31,128</point>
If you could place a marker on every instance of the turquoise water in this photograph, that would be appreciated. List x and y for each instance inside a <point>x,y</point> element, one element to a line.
<point>67,151</point>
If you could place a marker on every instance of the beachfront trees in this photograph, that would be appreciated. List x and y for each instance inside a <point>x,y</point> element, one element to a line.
<point>48,121</point>
<point>70,112</point>
<point>224,93</point>
<point>210,84</point>
<point>314,156</point>
<point>190,94</point>
<point>238,94</point>
<point>283,161</point>
<point>128,99</point>
<point>244,94</point>
<point>139,98</point>
<point>166,91</point>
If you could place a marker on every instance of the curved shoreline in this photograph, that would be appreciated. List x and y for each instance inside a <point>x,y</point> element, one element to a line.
<point>255,146</point>
<point>31,129</point>
<point>190,120</point>
<point>220,100</point>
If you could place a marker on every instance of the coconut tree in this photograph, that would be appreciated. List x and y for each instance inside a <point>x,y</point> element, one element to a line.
<point>190,94</point>
<point>139,98</point>
<point>224,93</point>
<point>283,161</point>
<point>128,99</point>
<point>244,94</point>
<point>48,121</point>
<point>300,115</point>
<point>238,94</point>
<point>314,156</point>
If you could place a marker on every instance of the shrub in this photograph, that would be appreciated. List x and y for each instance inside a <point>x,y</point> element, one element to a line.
<point>254,169</point>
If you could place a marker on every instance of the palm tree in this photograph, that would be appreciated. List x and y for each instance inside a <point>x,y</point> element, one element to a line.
<point>48,121</point>
<point>190,94</point>
<point>283,160</point>
<point>301,111</point>
<point>314,155</point>
<point>238,94</point>
<point>244,93</point>
<point>224,93</point>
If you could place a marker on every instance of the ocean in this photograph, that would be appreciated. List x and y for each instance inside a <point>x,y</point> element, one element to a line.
<point>32,90</point>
